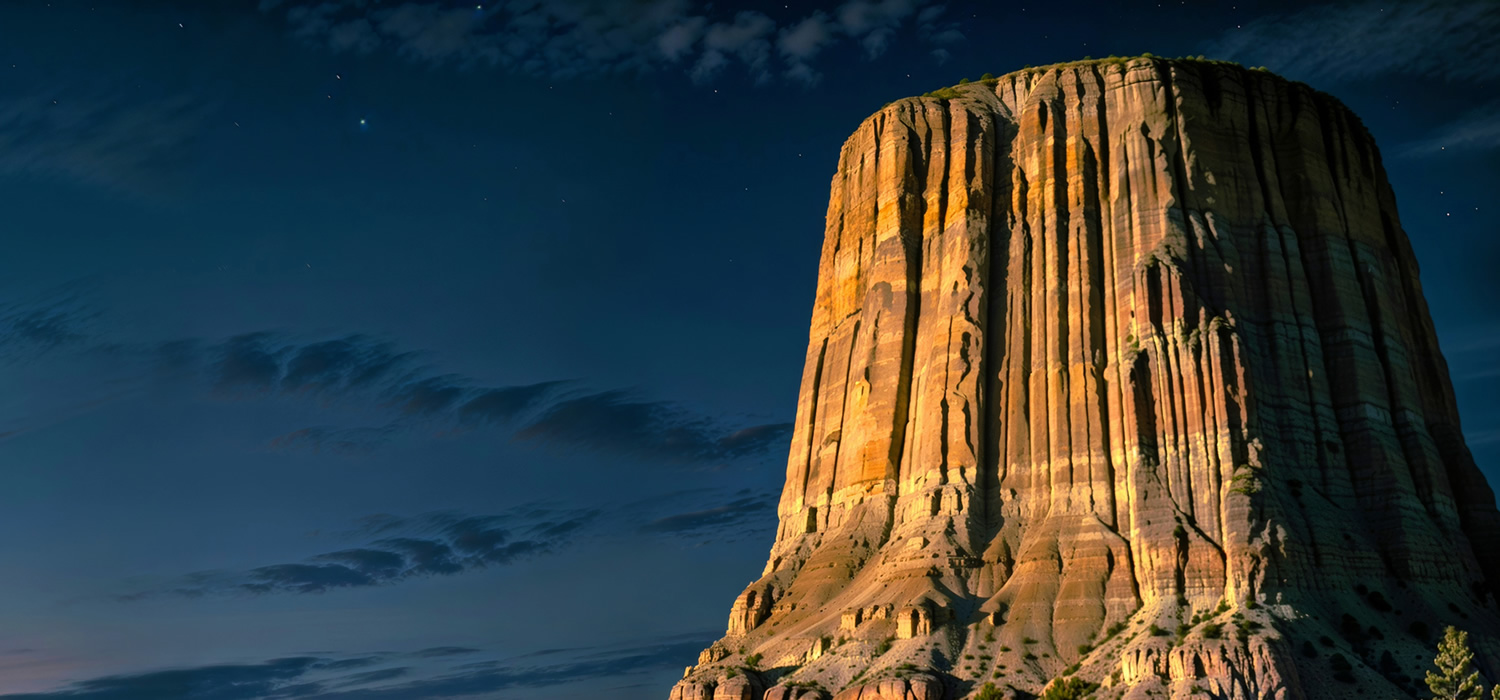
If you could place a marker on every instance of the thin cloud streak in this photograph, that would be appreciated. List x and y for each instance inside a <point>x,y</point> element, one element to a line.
<point>396,549</point>
<point>318,677</point>
<point>572,38</point>
<point>376,377</point>
<point>1475,132</point>
<point>111,139</point>
<point>748,510</point>
<point>359,368</point>
<point>26,330</point>
<point>1435,39</point>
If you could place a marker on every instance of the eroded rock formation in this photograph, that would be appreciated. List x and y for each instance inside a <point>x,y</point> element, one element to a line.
<point>1118,370</point>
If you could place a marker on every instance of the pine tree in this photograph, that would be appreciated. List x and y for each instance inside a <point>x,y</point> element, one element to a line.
<point>1456,678</point>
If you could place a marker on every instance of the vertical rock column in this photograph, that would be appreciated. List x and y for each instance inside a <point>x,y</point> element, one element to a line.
<point>1111,346</point>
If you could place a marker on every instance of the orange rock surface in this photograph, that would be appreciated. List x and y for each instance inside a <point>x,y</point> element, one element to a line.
<point>1118,370</point>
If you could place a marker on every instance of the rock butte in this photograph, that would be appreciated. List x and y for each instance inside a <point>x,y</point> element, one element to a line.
<point>1118,370</point>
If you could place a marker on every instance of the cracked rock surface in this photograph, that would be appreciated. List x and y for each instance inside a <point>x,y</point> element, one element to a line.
<point>1118,370</point>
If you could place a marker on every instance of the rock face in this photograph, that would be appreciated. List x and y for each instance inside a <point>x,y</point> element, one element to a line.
<point>1120,371</point>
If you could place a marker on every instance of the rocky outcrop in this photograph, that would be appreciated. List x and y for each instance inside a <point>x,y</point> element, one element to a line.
<point>1119,370</point>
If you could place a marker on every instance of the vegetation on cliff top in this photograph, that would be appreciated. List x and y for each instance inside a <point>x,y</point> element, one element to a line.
<point>990,79</point>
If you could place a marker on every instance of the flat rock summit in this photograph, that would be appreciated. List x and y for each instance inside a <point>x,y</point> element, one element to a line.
<point>1120,375</point>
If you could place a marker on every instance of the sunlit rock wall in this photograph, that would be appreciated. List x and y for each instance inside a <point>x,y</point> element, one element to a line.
<point>1107,347</point>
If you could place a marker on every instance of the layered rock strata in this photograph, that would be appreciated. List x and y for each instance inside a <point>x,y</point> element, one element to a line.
<point>1118,371</point>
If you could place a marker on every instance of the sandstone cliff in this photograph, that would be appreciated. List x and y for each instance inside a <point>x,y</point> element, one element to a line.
<point>1121,371</point>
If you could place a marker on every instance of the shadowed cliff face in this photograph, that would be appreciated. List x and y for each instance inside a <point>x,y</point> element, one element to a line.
<point>1119,370</point>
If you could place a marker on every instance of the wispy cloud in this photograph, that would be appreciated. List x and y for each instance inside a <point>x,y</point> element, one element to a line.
<point>1451,40</point>
<point>389,549</point>
<point>276,678</point>
<point>394,388</point>
<point>567,38</point>
<point>704,516</point>
<point>1476,131</point>
<point>555,413</point>
<point>615,422</point>
<point>32,328</point>
<point>110,138</point>
<point>396,549</point>
<point>748,511</point>
<point>326,676</point>
<point>1482,436</point>
<point>612,663</point>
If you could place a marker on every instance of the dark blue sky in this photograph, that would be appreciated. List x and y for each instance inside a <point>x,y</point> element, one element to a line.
<point>416,349</point>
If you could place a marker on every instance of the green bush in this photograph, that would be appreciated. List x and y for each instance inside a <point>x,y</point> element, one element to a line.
<point>989,692</point>
<point>753,660</point>
<point>946,93</point>
<point>1068,689</point>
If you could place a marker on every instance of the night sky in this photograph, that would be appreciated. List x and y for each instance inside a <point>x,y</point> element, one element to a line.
<point>408,349</point>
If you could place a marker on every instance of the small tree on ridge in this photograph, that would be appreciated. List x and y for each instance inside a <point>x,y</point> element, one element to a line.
<point>1456,678</point>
